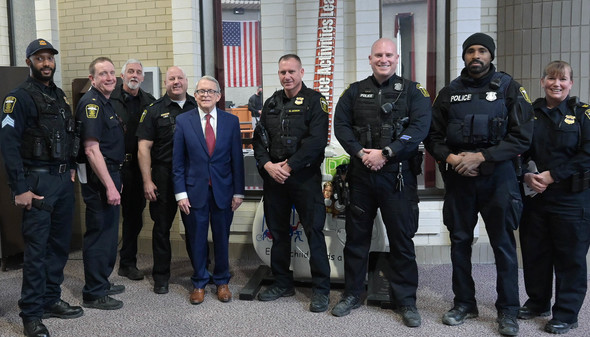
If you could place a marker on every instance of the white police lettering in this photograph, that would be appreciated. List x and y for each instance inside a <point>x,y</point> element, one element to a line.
<point>363,95</point>
<point>461,98</point>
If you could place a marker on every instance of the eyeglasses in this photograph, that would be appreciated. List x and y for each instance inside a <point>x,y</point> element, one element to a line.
<point>202,92</point>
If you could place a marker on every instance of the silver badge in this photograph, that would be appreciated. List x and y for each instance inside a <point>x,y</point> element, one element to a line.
<point>491,96</point>
<point>398,87</point>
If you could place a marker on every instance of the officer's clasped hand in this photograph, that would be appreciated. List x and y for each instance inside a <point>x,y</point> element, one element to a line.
<point>373,159</point>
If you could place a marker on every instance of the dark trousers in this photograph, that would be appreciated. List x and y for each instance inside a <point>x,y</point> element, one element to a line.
<point>399,211</point>
<point>132,206</point>
<point>498,199</point>
<point>304,190</point>
<point>162,212</point>
<point>46,237</point>
<point>197,228</point>
<point>555,236</point>
<point>100,239</point>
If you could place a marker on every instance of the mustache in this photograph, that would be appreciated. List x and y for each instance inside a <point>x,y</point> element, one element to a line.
<point>476,61</point>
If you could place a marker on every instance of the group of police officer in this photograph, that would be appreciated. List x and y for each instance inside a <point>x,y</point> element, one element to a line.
<point>479,124</point>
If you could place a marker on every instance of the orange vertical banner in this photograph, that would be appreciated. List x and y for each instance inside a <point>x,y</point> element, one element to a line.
<point>323,80</point>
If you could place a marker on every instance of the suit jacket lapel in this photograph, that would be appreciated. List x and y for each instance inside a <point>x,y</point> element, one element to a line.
<point>196,124</point>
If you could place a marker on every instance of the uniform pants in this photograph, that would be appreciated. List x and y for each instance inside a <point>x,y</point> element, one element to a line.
<point>497,198</point>
<point>304,190</point>
<point>132,206</point>
<point>197,229</point>
<point>162,212</point>
<point>100,239</point>
<point>399,210</point>
<point>46,238</point>
<point>554,236</point>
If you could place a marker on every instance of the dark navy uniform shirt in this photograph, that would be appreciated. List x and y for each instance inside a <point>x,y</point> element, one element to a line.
<point>561,139</point>
<point>157,124</point>
<point>99,121</point>
<point>19,113</point>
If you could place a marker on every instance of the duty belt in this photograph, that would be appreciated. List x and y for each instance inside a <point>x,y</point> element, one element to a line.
<point>128,157</point>
<point>51,169</point>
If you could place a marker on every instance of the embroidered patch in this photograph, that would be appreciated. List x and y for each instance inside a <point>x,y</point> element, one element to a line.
<point>143,116</point>
<point>91,111</point>
<point>587,113</point>
<point>525,95</point>
<point>324,104</point>
<point>7,121</point>
<point>422,90</point>
<point>9,103</point>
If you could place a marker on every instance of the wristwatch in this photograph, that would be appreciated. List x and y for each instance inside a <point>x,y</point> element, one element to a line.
<point>387,152</point>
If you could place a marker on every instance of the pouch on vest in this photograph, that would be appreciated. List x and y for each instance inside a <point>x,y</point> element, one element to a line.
<point>479,129</point>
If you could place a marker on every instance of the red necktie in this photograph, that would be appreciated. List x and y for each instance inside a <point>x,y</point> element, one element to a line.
<point>209,135</point>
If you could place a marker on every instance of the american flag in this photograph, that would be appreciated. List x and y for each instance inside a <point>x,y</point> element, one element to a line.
<point>241,45</point>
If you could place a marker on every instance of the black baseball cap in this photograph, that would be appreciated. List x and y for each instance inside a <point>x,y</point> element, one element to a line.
<point>40,44</point>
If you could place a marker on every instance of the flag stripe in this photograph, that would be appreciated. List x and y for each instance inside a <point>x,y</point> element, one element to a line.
<point>241,52</point>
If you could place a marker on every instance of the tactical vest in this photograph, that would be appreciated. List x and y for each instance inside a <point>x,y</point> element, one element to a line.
<point>380,114</point>
<point>53,138</point>
<point>287,123</point>
<point>478,117</point>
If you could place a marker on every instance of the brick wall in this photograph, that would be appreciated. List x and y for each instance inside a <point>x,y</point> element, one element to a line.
<point>533,33</point>
<point>133,29</point>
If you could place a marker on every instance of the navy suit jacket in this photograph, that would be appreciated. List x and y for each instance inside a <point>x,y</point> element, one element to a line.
<point>192,167</point>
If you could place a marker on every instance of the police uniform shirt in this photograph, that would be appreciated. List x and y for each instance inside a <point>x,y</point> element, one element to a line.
<point>418,107</point>
<point>157,125</point>
<point>561,139</point>
<point>99,121</point>
<point>519,120</point>
<point>19,112</point>
<point>313,108</point>
<point>130,109</point>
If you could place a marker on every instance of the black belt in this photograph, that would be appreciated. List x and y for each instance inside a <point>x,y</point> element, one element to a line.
<point>114,167</point>
<point>57,169</point>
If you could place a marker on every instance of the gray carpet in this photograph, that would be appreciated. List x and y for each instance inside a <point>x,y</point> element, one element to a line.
<point>147,314</point>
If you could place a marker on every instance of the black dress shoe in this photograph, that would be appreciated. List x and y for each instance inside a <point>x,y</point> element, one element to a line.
<point>35,328</point>
<point>507,324</point>
<point>345,305</point>
<point>115,289</point>
<point>62,309</point>
<point>526,312</point>
<point>410,316</point>
<point>559,327</point>
<point>161,288</point>
<point>458,314</point>
<point>103,303</point>
<point>273,292</point>
<point>319,302</point>
<point>131,273</point>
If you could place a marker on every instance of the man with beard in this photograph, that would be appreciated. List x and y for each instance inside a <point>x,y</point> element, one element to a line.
<point>38,147</point>
<point>104,152</point>
<point>129,100</point>
<point>155,133</point>
<point>481,122</point>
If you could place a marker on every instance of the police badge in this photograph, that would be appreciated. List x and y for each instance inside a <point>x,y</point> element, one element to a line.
<point>491,96</point>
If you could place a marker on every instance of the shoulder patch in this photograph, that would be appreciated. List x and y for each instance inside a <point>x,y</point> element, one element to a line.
<point>587,113</point>
<point>524,94</point>
<point>143,115</point>
<point>422,90</point>
<point>345,90</point>
<point>324,104</point>
<point>9,103</point>
<point>91,111</point>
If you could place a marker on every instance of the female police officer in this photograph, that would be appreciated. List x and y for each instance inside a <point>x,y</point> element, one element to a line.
<point>555,229</point>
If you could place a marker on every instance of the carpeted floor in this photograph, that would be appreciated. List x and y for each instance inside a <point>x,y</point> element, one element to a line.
<point>147,314</point>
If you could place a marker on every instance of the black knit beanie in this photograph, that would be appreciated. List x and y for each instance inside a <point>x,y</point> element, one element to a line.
<point>480,39</point>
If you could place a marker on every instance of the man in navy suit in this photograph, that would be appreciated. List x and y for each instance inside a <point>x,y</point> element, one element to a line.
<point>208,173</point>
